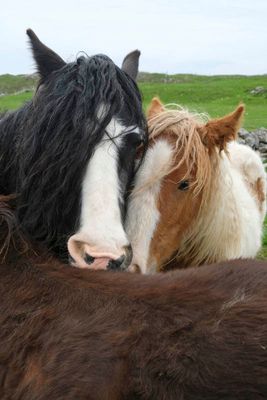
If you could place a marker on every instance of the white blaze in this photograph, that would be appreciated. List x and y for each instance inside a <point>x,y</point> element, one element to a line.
<point>101,221</point>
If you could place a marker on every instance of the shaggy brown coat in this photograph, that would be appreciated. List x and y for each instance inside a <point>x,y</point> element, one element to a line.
<point>67,333</point>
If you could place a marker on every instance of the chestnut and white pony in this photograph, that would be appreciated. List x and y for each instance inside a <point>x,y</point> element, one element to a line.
<point>199,196</point>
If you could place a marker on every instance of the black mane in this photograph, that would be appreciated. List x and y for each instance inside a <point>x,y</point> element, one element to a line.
<point>41,142</point>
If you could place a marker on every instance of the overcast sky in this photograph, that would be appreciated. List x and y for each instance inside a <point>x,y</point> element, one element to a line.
<point>189,36</point>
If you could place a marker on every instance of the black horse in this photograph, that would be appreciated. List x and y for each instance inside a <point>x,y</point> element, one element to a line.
<point>69,155</point>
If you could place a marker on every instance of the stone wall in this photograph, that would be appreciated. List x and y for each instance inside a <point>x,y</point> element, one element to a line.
<point>256,139</point>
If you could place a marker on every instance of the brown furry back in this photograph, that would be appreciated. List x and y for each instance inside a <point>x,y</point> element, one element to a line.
<point>71,334</point>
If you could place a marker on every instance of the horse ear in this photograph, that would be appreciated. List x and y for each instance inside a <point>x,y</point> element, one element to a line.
<point>130,64</point>
<point>46,59</point>
<point>218,132</point>
<point>155,107</point>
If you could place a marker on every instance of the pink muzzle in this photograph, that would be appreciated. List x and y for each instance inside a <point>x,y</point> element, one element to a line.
<point>83,255</point>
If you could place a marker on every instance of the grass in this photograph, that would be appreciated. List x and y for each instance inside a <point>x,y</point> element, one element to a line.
<point>263,252</point>
<point>10,84</point>
<point>11,102</point>
<point>215,95</point>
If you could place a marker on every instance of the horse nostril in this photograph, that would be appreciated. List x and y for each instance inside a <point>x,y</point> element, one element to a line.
<point>88,259</point>
<point>123,262</point>
<point>114,265</point>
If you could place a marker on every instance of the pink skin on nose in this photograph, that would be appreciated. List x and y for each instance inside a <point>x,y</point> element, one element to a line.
<point>99,263</point>
<point>78,247</point>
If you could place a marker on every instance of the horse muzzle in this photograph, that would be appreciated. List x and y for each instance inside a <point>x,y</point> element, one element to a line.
<point>82,255</point>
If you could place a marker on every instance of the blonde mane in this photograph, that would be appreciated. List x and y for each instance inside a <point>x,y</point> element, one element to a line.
<point>185,126</point>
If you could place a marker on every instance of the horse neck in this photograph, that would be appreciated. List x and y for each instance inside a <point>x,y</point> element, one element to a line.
<point>9,132</point>
<point>221,229</point>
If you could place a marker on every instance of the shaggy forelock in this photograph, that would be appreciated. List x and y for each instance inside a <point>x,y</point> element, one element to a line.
<point>59,131</point>
<point>183,125</point>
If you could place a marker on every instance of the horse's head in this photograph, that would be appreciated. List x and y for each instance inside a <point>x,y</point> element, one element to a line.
<point>174,181</point>
<point>82,131</point>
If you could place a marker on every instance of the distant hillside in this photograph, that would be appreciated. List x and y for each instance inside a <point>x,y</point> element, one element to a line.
<point>148,77</point>
<point>10,84</point>
<point>216,95</point>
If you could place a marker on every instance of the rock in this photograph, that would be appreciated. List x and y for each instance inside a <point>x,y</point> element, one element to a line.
<point>263,148</point>
<point>241,141</point>
<point>253,141</point>
<point>258,90</point>
<point>249,138</point>
<point>243,133</point>
<point>262,134</point>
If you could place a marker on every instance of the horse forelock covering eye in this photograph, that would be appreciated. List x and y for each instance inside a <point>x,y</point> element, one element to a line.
<point>73,152</point>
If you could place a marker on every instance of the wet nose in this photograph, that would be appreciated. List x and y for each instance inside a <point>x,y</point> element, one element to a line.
<point>114,265</point>
<point>123,262</point>
<point>85,255</point>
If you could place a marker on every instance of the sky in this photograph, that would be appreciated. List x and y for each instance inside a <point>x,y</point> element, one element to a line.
<point>190,36</point>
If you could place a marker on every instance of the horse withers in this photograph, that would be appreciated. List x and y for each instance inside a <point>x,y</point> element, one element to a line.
<point>199,197</point>
<point>69,155</point>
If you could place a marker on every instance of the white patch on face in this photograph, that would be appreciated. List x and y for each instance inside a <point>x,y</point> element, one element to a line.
<point>143,214</point>
<point>101,223</point>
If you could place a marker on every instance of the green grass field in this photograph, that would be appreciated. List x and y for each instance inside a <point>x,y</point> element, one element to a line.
<point>11,102</point>
<point>215,95</point>
<point>10,84</point>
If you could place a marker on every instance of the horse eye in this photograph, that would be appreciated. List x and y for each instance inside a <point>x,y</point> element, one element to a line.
<point>183,185</point>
